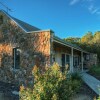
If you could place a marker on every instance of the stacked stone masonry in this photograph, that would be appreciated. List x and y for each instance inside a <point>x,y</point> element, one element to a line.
<point>34,50</point>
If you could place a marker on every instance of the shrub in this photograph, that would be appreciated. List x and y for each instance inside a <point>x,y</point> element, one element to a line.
<point>76,76</point>
<point>95,70</point>
<point>99,93</point>
<point>98,98</point>
<point>50,85</point>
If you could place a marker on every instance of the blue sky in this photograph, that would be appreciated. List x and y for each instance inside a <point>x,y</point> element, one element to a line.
<point>65,17</point>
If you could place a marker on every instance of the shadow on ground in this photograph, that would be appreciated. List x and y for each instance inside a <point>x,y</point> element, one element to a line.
<point>9,91</point>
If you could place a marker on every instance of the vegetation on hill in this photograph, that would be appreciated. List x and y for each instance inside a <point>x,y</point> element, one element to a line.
<point>89,42</point>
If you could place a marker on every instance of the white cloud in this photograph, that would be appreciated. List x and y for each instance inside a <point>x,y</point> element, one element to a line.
<point>93,9</point>
<point>87,4</point>
<point>73,2</point>
<point>88,0</point>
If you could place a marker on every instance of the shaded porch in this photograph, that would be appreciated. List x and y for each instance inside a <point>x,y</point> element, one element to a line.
<point>66,55</point>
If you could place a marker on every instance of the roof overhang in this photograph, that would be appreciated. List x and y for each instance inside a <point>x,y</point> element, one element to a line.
<point>62,42</point>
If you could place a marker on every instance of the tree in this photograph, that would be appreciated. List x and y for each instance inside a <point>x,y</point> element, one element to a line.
<point>96,38</point>
<point>88,42</point>
<point>87,38</point>
<point>72,39</point>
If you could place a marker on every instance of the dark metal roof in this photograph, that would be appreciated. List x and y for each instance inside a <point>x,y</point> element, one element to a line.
<point>25,26</point>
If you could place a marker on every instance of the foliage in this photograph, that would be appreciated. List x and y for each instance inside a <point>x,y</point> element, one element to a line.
<point>99,94</point>
<point>89,42</point>
<point>98,98</point>
<point>95,70</point>
<point>76,76</point>
<point>87,38</point>
<point>72,39</point>
<point>50,85</point>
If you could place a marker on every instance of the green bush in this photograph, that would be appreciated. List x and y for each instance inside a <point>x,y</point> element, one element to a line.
<point>76,76</point>
<point>95,70</point>
<point>99,94</point>
<point>98,98</point>
<point>50,85</point>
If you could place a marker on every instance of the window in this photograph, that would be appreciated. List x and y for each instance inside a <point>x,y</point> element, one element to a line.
<point>16,58</point>
<point>65,59</point>
<point>1,19</point>
<point>87,57</point>
<point>68,59</point>
<point>76,61</point>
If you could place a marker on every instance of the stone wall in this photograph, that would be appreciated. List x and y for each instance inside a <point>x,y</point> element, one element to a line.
<point>34,50</point>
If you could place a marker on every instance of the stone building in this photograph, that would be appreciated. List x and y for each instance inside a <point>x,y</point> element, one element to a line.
<point>22,46</point>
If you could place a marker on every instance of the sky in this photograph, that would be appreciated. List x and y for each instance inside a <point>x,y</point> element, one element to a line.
<point>67,18</point>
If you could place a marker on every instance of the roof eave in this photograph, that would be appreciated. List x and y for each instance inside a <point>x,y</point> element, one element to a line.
<point>63,43</point>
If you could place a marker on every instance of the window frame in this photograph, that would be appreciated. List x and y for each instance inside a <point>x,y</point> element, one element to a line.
<point>16,65</point>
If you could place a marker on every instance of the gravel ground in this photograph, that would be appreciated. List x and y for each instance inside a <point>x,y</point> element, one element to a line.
<point>6,90</point>
<point>85,93</point>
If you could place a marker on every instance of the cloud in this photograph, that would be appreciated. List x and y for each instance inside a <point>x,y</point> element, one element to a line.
<point>93,9</point>
<point>87,4</point>
<point>73,2</point>
<point>88,0</point>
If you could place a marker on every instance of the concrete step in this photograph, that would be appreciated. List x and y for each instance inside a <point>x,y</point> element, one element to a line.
<point>92,82</point>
